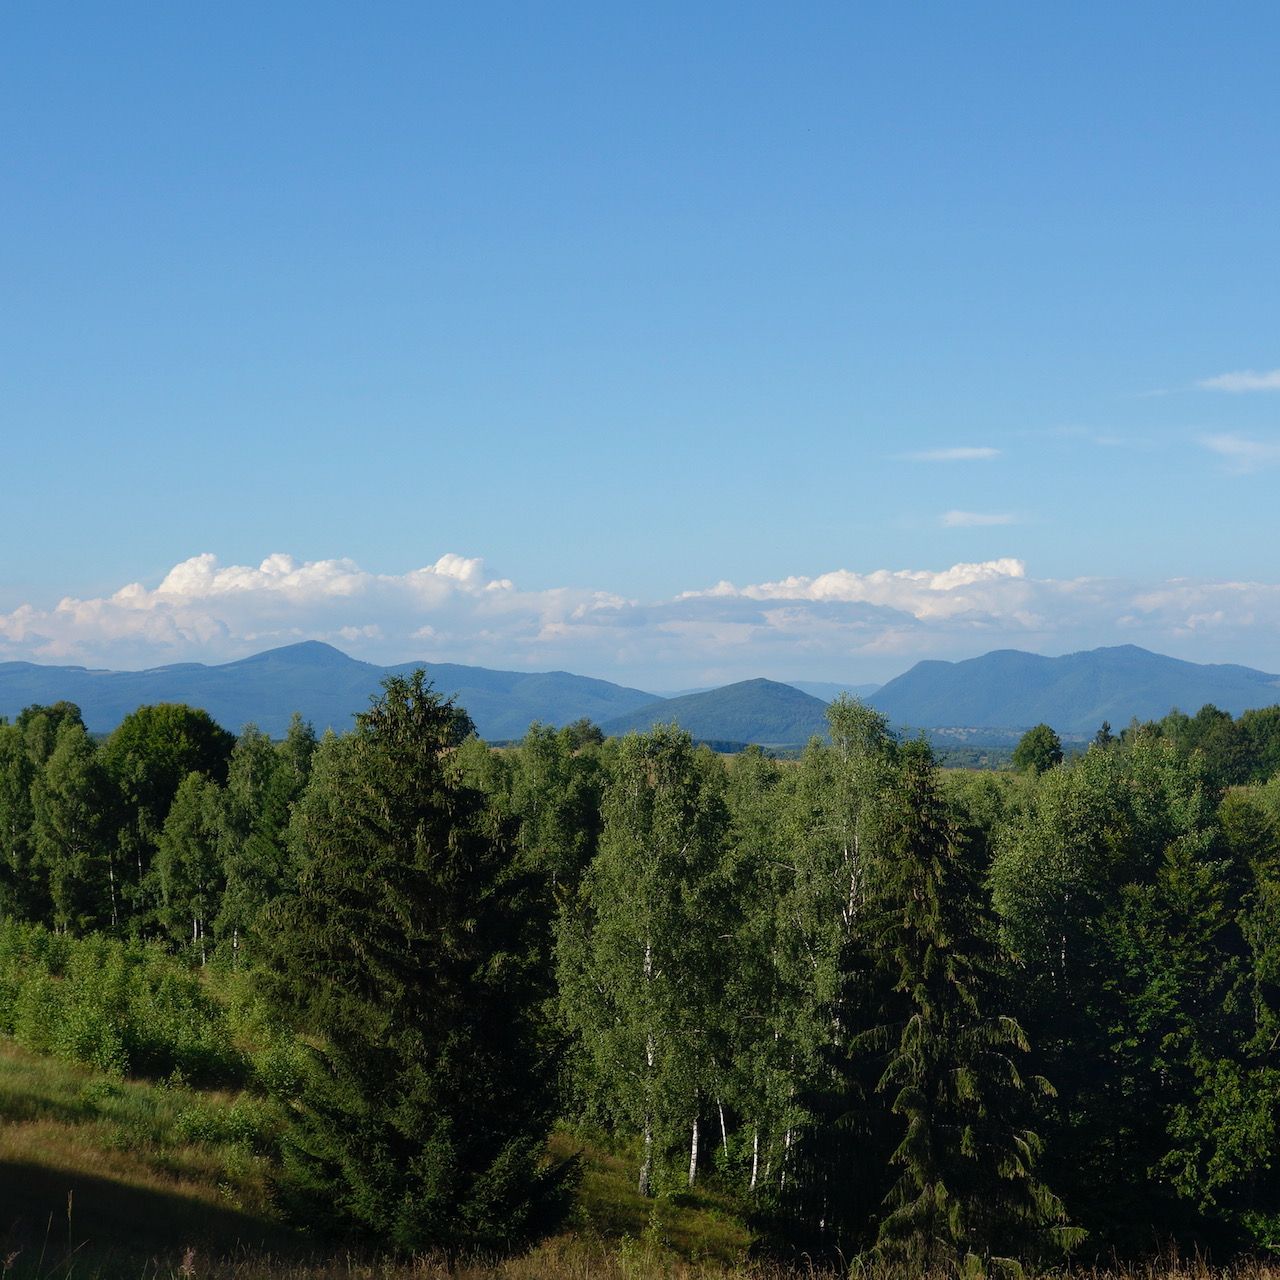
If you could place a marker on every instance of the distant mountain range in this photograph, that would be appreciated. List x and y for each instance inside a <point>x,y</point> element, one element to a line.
<point>982,700</point>
<point>321,682</point>
<point>1075,693</point>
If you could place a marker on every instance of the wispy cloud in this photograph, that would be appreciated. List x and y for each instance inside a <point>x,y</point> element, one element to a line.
<point>1242,380</point>
<point>1241,454</point>
<point>974,519</point>
<point>959,453</point>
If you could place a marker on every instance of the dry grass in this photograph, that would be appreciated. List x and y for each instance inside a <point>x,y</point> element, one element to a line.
<point>88,1163</point>
<point>572,1259</point>
<point>100,1180</point>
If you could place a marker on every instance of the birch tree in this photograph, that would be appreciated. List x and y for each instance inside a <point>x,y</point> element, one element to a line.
<point>74,811</point>
<point>641,952</point>
<point>188,865</point>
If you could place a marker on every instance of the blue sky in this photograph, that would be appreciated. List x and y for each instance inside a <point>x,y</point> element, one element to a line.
<point>630,302</point>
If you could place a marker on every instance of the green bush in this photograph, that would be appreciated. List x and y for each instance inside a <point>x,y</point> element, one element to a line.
<point>119,1006</point>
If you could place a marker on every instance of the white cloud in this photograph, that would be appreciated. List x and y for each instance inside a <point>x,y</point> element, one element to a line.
<point>842,624</point>
<point>1241,454</point>
<point>1242,380</point>
<point>973,519</point>
<point>960,453</point>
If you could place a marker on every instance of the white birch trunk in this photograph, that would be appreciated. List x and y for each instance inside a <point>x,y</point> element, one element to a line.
<point>646,1165</point>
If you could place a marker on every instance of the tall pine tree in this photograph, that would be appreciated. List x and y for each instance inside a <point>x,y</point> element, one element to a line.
<point>409,954</point>
<point>966,1192</point>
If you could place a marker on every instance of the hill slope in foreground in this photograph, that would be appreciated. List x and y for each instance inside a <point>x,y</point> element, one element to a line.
<point>1074,693</point>
<point>319,681</point>
<point>104,1177</point>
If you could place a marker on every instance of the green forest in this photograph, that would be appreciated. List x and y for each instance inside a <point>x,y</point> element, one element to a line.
<point>891,1015</point>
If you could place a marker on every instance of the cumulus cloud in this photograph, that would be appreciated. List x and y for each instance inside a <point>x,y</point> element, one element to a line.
<point>841,624</point>
<point>1242,380</point>
<point>1241,454</point>
<point>973,519</point>
<point>959,453</point>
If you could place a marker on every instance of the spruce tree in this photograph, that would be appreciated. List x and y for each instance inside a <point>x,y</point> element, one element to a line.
<point>966,1193</point>
<point>408,954</point>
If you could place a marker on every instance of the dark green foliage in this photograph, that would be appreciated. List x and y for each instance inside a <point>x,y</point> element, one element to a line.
<point>409,952</point>
<point>24,887</point>
<point>825,1167</point>
<point>1130,911</point>
<point>1038,749</point>
<point>147,757</point>
<point>806,981</point>
<point>966,1189</point>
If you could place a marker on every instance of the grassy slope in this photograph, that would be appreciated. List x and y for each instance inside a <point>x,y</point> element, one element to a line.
<point>88,1164</point>
<point>147,1200</point>
<point>108,1177</point>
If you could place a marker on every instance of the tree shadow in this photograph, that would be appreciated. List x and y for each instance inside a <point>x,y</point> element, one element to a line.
<point>56,1218</point>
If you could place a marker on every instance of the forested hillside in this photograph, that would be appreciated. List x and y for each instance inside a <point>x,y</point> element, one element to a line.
<point>751,711</point>
<point>919,1018</point>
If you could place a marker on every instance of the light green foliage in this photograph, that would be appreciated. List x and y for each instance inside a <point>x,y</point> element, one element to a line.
<point>74,809</point>
<point>188,864</point>
<point>121,1007</point>
<point>264,781</point>
<point>641,957</point>
<point>39,726</point>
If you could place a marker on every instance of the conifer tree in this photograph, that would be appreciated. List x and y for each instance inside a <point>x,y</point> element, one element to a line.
<point>966,1192</point>
<point>408,952</point>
